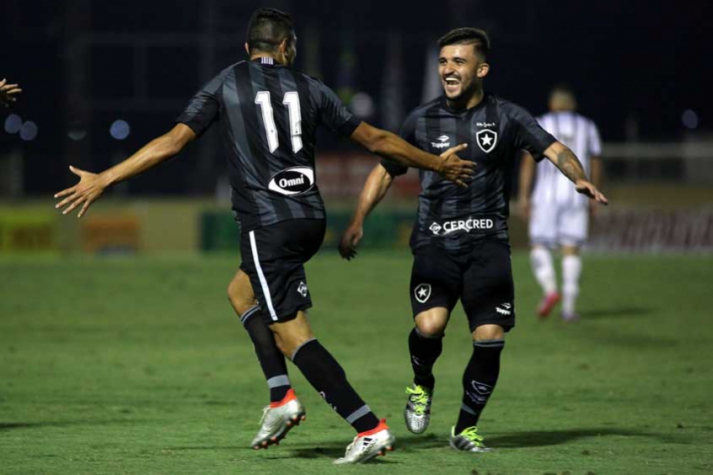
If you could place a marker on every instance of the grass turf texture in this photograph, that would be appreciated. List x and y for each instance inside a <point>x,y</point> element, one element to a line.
<point>138,366</point>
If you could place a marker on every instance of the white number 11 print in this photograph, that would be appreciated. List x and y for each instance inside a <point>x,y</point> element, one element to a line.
<point>292,101</point>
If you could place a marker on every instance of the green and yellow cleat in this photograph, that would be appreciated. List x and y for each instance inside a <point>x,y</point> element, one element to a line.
<point>417,413</point>
<point>468,440</point>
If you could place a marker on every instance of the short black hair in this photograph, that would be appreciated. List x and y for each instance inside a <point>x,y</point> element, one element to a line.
<point>466,36</point>
<point>268,27</point>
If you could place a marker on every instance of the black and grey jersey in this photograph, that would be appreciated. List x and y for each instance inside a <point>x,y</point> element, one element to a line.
<point>453,217</point>
<point>268,116</point>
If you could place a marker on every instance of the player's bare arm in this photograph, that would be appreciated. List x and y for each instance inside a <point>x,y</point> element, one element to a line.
<point>596,172</point>
<point>391,146</point>
<point>8,93</point>
<point>568,163</point>
<point>92,185</point>
<point>527,174</point>
<point>375,188</point>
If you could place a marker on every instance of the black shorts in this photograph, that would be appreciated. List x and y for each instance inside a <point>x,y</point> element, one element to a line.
<point>481,278</point>
<point>274,257</point>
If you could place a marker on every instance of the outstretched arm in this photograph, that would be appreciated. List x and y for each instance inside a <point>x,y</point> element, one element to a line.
<point>527,174</point>
<point>375,188</point>
<point>92,185</point>
<point>567,162</point>
<point>391,146</point>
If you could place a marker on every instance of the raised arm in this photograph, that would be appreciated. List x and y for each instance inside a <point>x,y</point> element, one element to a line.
<point>527,174</point>
<point>92,185</point>
<point>564,159</point>
<point>393,147</point>
<point>375,188</point>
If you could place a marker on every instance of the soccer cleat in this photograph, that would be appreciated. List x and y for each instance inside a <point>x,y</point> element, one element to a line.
<point>417,413</point>
<point>547,303</point>
<point>277,420</point>
<point>468,440</point>
<point>570,316</point>
<point>368,445</point>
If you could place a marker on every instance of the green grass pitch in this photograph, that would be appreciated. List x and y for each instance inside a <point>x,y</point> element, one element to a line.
<point>138,366</point>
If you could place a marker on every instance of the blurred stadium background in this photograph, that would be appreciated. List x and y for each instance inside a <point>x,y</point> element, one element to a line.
<point>100,79</point>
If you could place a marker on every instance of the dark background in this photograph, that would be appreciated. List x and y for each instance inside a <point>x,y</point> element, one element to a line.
<point>630,62</point>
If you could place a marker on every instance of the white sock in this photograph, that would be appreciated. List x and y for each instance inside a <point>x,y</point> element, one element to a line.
<point>571,270</point>
<point>544,270</point>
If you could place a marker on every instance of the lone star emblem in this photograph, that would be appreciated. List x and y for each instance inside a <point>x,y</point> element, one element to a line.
<point>422,292</point>
<point>486,139</point>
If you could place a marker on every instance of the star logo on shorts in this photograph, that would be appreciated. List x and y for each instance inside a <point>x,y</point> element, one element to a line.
<point>302,289</point>
<point>422,292</point>
<point>487,139</point>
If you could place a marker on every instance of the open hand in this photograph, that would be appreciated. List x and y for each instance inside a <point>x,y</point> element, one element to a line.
<point>454,169</point>
<point>88,190</point>
<point>8,93</point>
<point>588,189</point>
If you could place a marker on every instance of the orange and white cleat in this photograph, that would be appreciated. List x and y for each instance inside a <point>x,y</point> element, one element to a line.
<point>277,420</point>
<point>547,303</point>
<point>369,445</point>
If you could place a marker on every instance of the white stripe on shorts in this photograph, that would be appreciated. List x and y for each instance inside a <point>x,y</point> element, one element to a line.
<point>261,276</point>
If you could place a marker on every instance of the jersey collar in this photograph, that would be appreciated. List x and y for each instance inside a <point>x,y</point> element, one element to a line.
<point>265,60</point>
<point>464,112</point>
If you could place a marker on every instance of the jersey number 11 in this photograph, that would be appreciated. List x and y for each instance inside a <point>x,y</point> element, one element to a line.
<point>292,101</point>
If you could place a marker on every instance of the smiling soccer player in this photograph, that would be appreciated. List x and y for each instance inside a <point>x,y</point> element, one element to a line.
<point>460,239</point>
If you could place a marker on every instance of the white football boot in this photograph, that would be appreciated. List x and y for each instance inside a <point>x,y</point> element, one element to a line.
<point>368,445</point>
<point>277,420</point>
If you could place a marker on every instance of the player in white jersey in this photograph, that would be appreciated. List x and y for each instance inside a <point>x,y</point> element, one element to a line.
<point>558,215</point>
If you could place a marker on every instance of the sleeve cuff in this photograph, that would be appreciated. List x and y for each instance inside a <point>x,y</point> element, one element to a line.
<point>392,168</point>
<point>191,123</point>
<point>539,155</point>
<point>348,128</point>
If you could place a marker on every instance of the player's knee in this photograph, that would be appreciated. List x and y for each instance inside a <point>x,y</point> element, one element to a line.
<point>232,292</point>
<point>430,327</point>
<point>292,334</point>
<point>284,348</point>
<point>488,332</point>
<point>237,298</point>
<point>570,251</point>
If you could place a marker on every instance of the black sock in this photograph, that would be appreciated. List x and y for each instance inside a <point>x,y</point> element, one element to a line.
<point>425,350</point>
<point>479,381</point>
<point>271,358</point>
<point>328,378</point>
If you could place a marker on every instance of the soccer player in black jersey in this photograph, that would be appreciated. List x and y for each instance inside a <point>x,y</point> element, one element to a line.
<point>268,115</point>
<point>460,238</point>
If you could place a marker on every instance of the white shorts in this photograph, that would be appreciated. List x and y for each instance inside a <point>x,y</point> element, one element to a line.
<point>552,225</point>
